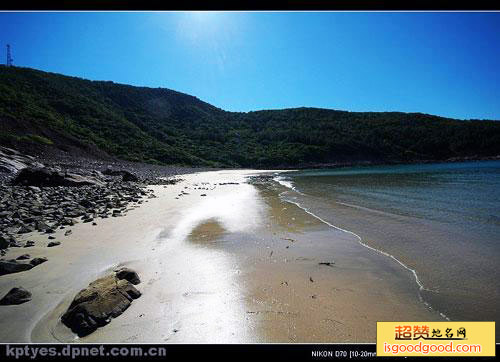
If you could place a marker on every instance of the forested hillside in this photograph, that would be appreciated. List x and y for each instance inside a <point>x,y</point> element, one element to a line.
<point>159,125</point>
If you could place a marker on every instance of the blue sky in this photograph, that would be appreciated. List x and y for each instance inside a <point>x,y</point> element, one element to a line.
<point>439,63</point>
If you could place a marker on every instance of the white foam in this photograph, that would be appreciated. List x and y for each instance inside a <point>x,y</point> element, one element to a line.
<point>287,183</point>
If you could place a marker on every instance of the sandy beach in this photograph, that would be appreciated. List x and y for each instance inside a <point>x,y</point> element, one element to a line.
<point>238,265</point>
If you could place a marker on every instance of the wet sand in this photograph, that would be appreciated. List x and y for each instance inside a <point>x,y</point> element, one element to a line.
<point>235,266</point>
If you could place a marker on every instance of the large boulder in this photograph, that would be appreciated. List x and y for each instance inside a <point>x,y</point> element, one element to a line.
<point>38,261</point>
<point>96,305</point>
<point>129,177</point>
<point>11,161</point>
<point>126,175</point>
<point>44,176</point>
<point>16,296</point>
<point>12,266</point>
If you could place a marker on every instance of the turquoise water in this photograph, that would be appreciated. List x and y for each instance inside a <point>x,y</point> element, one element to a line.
<point>443,220</point>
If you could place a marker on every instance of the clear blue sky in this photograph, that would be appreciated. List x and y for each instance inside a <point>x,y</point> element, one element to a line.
<point>440,63</point>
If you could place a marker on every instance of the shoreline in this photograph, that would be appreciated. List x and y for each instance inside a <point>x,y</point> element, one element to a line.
<point>360,163</point>
<point>221,262</point>
<point>360,240</point>
<point>419,243</point>
<point>148,171</point>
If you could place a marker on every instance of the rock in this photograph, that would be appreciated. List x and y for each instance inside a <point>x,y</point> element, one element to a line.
<point>327,263</point>
<point>9,267</point>
<point>23,257</point>
<point>96,305</point>
<point>69,222</point>
<point>53,243</point>
<point>47,209</point>
<point>25,229</point>
<point>44,176</point>
<point>67,233</point>
<point>4,243</point>
<point>13,242</point>
<point>16,296</point>
<point>41,226</point>
<point>29,243</point>
<point>38,261</point>
<point>87,204</point>
<point>11,161</point>
<point>129,177</point>
<point>126,175</point>
<point>128,274</point>
<point>203,195</point>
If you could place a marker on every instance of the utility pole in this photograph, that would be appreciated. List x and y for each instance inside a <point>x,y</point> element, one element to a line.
<point>9,58</point>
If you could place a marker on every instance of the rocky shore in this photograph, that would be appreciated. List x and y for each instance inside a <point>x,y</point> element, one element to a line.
<point>44,195</point>
<point>38,194</point>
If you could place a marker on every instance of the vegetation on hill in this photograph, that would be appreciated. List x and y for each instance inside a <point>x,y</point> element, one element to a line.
<point>159,125</point>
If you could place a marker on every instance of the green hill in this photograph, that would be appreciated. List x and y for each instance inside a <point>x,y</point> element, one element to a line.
<point>157,125</point>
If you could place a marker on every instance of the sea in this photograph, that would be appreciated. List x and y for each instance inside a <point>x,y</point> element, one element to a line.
<point>439,220</point>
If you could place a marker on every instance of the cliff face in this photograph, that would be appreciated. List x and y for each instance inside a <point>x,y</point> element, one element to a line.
<point>47,112</point>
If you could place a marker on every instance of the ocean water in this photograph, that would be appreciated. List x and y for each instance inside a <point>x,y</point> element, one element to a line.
<point>440,220</point>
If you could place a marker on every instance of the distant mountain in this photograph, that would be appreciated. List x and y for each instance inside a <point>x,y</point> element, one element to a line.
<point>40,110</point>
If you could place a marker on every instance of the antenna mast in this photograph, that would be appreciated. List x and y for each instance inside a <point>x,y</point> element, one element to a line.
<point>9,58</point>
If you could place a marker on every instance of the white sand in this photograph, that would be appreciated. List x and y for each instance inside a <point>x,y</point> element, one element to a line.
<point>147,239</point>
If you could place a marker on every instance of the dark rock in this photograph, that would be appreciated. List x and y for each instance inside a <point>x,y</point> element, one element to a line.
<point>4,243</point>
<point>53,243</point>
<point>25,229</point>
<point>43,176</point>
<point>41,226</point>
<point>38,261</point>
<point>327,263</point>
<point>16,296</point>
<point>9,267</point>
<point>29,243</point>
<point>67,233</point>
<point>126,175</point>
<point>128,274</point>
<point>129,177</point>
<point>69,222</point>
<point>13,242</point>
<point>87,204</point>
<point>23,257</point>
<point>96,305</point>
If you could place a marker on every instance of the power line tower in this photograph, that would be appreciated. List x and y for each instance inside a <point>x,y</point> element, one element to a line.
<point>9,58</point>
